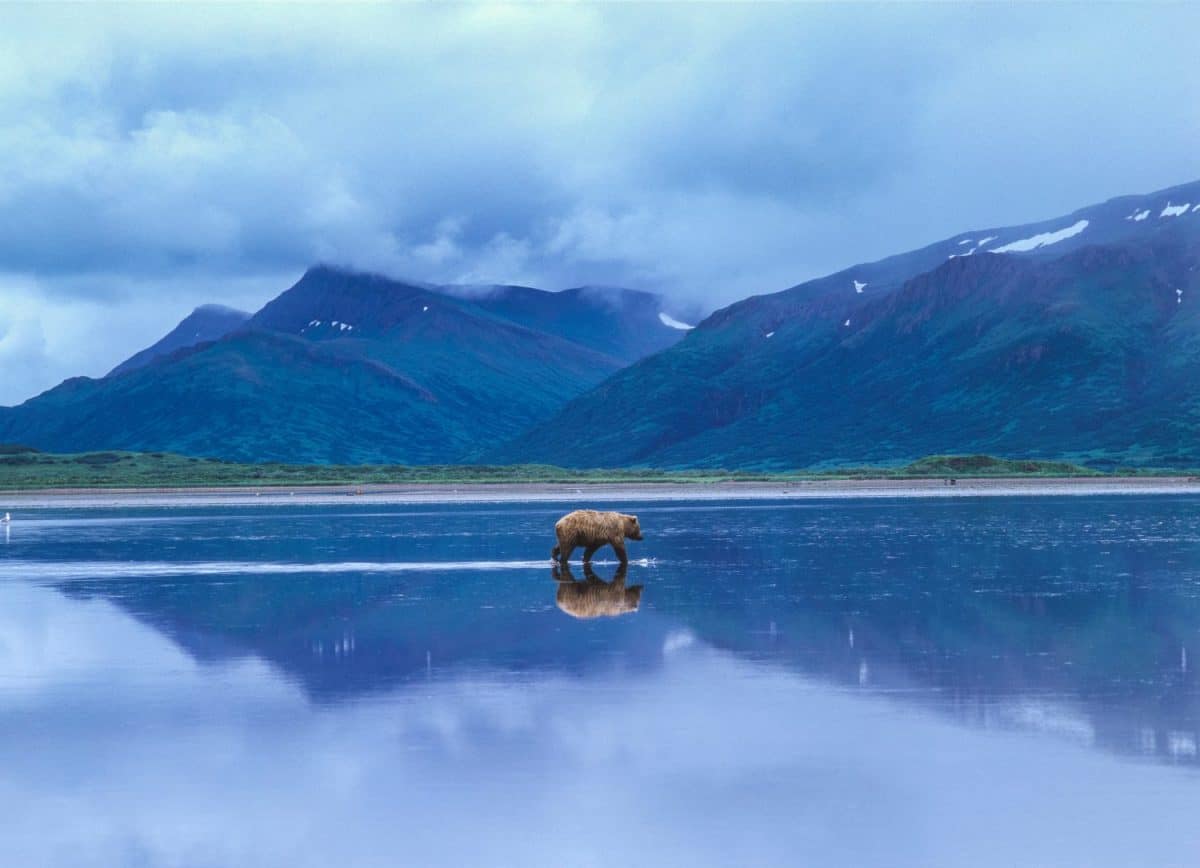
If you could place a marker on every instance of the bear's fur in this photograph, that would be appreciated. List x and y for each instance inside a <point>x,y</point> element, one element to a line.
<point>594,597</point>
<point>592,529</point>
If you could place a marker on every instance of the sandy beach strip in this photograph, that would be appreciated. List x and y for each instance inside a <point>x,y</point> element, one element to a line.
<point>584,493</point>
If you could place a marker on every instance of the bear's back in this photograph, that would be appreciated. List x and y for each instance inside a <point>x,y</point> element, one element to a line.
<point>589,520</point>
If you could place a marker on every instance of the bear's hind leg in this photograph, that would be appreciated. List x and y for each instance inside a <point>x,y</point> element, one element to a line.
<point>588,552</point>
<point>562,551</point>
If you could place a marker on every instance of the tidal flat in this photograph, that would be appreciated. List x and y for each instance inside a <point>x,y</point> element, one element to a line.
<point>596,492</point>
<point>869,680</point>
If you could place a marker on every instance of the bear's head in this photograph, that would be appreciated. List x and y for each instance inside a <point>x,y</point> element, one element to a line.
<point>633,530</point>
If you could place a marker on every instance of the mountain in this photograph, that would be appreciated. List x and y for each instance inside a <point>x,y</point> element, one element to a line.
<point>1074,338</point>
<point>349,368</point>
<point>206,323</point>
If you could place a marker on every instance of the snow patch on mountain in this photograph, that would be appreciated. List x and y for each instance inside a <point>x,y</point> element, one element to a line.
<point>669,320</point>
<point>1175,210</point>
<point>1043,239</point>
<point>859,286</point>
<point>337,324</point>
<point>975,249</point>
<point>1138,216</point>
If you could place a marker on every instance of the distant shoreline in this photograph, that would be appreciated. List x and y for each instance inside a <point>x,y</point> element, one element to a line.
<point>599,492</point>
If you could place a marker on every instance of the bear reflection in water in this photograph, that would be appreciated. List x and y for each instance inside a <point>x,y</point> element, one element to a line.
<point>594,597</point>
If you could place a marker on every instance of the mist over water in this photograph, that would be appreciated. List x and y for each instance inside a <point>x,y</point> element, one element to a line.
<point>992,681</point>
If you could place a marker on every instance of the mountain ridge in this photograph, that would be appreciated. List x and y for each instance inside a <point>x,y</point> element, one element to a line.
<point>343,367</point>
<point>764,383</point>
<point>1071,338</point>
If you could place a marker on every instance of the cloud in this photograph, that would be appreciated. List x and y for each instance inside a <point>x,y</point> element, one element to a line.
<point>705,152</point>
<point>58,328</point>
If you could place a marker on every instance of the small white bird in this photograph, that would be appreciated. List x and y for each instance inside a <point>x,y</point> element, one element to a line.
<point>7,518</point>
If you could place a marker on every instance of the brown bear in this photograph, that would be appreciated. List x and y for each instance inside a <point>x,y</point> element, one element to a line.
<point>594,597</point>
<point>591,529</point>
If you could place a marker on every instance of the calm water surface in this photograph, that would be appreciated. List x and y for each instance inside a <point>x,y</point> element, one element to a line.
<point>967,682</point>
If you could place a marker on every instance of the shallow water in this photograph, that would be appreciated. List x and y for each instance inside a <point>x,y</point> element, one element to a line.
<point>886,682</point>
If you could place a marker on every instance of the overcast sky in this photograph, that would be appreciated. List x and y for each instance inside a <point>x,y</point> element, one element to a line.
<point>153,159</point>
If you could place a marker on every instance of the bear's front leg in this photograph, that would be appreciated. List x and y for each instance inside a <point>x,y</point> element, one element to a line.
<point>618,545</point>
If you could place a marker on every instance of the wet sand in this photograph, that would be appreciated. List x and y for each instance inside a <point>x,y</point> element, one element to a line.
<point>598,493</point>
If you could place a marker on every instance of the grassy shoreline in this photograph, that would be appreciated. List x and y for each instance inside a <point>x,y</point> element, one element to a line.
<point>23,469</point>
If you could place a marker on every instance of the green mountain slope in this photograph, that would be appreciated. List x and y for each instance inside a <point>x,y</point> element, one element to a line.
<point>343,367</point>
<point>1084,352</point>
